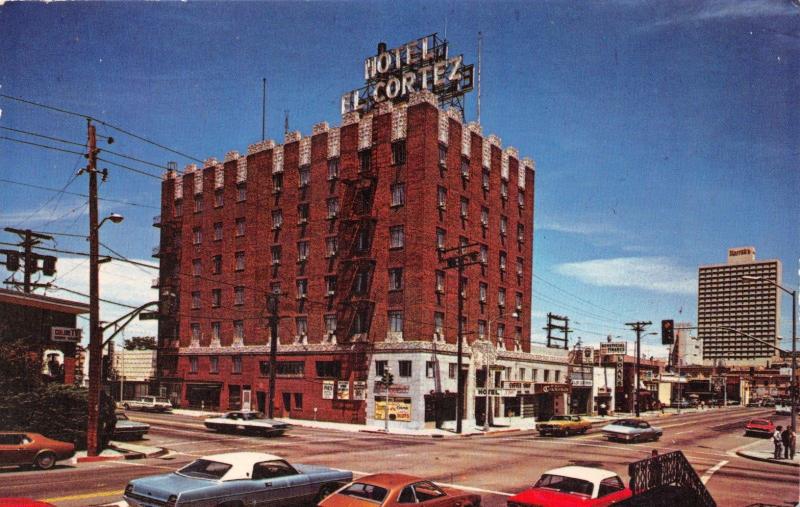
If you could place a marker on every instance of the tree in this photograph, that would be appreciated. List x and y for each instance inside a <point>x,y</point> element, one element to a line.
<point>141,343</point>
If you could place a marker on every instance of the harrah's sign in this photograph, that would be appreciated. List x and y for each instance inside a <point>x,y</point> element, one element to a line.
<point>422,64</point>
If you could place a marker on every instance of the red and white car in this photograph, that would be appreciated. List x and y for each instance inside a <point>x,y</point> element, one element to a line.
<point>759,427</point>
<point>573,485</point>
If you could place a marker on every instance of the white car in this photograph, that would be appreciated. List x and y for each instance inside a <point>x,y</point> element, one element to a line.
<point>148,403</point>
<point>631,430</point>
<point>248,421</point>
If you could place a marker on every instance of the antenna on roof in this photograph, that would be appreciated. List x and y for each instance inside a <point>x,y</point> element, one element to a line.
<point>285,121</point>
<point>480,53</point>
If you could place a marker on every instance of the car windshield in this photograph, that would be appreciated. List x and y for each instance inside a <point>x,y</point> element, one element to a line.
<point>760,421</point>
<point>252,415</point>
<point>205,469</point>
<point>162,400</point>
<point>560,418</point>
<point>365,491</point>
<point>628,422</point>
<point>563,484</point>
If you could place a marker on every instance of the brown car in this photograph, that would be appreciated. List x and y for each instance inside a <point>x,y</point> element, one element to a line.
<point>26,449</point>
<point>390,490</point>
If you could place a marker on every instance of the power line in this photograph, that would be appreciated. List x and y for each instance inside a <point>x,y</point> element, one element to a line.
<point>129,168</point>
<point>54,148</point>
<point>539,277</point>
<point>49,189</point>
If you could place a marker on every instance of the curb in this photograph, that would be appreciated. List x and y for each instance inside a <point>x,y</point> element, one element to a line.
<point>745,454</point>
<point>129,455</point>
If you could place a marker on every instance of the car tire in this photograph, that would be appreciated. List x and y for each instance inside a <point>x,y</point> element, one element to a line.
<point>45,460</point>
<point>324,492</point>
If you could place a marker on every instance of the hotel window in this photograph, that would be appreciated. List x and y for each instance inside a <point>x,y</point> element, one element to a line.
<point>216,298</point>
<point>501,297</point>
<point>362,239</point>
<point>442,155</point>
<point>330,324</point>
<point>484,255</point>
<point>240,226</point>
<point>519,270</point>
<point>195,300</point>
<point>178,209</point>
<point>534,374</point>
<point>441,235</point>
<point>440,282</point>
<point>361,282</point>
<point>364,159</point>
<point>277,219</point>
<point>396,236</point>
<point>380,368</point>
<point>396,279</point>
<point>213,364</point>
<point>237,364</point>
<point>275,250</point>
<point>218,199</point>
<point>483,288</point>
<point>430,369</point>
<point>481,329</point>
<point>198,203</point>
<point>196,333</point>
<point>484,217</point>
<point>503,262</point>
<point>302,289</point>
<point>217,231</point>
<point>238,295</point>
<point>333,168</point>
<point>398,194</point>
<point>197,236</point>
<point>330,285</point>
<point>216,265</point>
<point>396,322</point>
<point>404,368</point>
<point>305,176</point>
<point>485,179</point>
<point>438,323</point>
<point>465,168</point>
<point>399,152</point>
<point>215,331</point>
<point>239,261</point>
<point>196,267</point>
<point>503,226</point>
<point>241,192</point>
<point>521,198</point>
<point>193,364</point>
<point>330,246</point>
<point>520,234</point>
<point>464,207</point>
<point>302,251</point>
<point>501,334</point>
<point>302,213</point>
<point>277,182</point>
<point>238,330</point>
<point>328,369</point>
<point>333,207</point>
<point>518,302</point>
<point>441,197</point>
<point>301,324</point>
<point>503,189</point>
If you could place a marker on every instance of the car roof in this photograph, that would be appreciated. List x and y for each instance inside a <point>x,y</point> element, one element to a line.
<point>585,473</point>
<point>241,462</point>
<point>389,480</point>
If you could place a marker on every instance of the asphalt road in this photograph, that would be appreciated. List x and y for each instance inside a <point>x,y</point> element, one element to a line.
<point>495,466</point>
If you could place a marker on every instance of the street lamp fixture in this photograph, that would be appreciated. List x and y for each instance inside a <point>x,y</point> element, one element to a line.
<point>793,380</point>
<point>113,217</point>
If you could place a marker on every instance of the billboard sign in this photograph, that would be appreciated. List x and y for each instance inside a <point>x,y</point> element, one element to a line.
<point>422,64</point>
<point>65,334</point>
<point>327,389</point>
<point>398,410</point>
<point>343,389</point>
<point>613,348</point>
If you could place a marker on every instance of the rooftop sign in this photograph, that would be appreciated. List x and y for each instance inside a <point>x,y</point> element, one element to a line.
<point>422,64</point>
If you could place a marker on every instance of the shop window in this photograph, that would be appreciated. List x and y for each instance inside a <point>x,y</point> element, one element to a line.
<point>329,369</point>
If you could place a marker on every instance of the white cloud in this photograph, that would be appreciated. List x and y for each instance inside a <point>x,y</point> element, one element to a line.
<point>659,274</point>
<point>725,9</point>
<point>579,228</point>
<point>119,281</point>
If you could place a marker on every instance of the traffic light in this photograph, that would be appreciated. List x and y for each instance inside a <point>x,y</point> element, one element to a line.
<point>12,261</point>
<point>667,332</point>
<point>49,265</point>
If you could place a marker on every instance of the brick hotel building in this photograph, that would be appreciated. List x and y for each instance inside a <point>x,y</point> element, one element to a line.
<point>346,224</point>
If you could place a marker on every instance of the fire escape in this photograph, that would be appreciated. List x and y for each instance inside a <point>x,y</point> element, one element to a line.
<point>355,271</point>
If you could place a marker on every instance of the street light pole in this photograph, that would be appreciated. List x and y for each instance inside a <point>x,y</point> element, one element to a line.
<point>638,326</point>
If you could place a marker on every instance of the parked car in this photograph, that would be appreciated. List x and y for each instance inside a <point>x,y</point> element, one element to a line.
<point>754,403</point>
<point>563,425</point>
<point>32,449</point>
<point>237,478</point>
<point>631,430</point>
<point>23,502</point>
<point>148,403</point>
<point>573,485</point>
<point>759,427</point>
<point>248,421</point>
<point>682,404</point>
<point>127,429</point>
<point>390,490</point>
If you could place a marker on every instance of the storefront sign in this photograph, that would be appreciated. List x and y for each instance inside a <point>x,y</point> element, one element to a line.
<point>581,382</point>
<point>327,389</point>
<point>613,348</point>
<point>65,334</point>
<point>542,388</point>
<point>343,389</point>
<point>620,371</point>
<point>786,371</point>
<point>497,392</point>
<point>394,389</point>
<point>359,390</point>
<point>422,64</point>
<point>398,410</point>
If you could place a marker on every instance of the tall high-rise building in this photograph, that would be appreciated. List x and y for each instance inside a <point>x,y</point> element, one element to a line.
<point>730,307</point>
<point>349,226</point>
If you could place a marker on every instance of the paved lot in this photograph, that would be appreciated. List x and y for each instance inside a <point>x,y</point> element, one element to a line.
<point>495,466</point>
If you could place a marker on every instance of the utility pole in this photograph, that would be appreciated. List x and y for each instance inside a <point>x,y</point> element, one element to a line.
<point>28,240</point>
<point>461,259</point>
<point>272,304</point>
<point>95,338</point>
<point>638,326</point>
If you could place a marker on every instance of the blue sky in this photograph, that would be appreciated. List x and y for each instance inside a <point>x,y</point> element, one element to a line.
<point>663,132</point>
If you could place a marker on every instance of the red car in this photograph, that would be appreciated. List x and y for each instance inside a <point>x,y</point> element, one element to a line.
<point>759,427</point>
<point>569,486</point>
<point>398,490</point>
<point>32,449</point>
<point>23,502</point>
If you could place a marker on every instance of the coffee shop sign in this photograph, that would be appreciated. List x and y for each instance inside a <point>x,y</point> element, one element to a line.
<point>422,64</point>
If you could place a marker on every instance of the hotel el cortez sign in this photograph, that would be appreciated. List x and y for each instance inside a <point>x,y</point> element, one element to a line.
<point>422,64</point>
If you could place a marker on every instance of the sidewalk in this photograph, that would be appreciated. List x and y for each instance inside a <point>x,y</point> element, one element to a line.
<point>764,451</point>
<point>121,450</point>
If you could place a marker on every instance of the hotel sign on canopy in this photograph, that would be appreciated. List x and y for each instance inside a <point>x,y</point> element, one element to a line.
<point>422,64</point>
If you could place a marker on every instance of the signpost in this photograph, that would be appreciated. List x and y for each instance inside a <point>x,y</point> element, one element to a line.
<point>65,334</point>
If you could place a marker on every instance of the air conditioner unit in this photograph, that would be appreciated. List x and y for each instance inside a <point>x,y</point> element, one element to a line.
<point>331,292</point>
<point>442,206</point>
<point>504,195</point>
<point>463,214</point>
<point>276,227</point>
<point>484,223</point>
<point>332,214</point>
<point>301,221</point>
<point>465,176</point>
<point>302,258</point>
<point>486,186</point>
<point>519,308</point>
<point>501,304</point>
<point>521,205</point>
<point>276,262</point>
<point>440,290</point>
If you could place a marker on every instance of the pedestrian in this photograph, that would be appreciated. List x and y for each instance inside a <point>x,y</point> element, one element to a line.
<point>603,409</point>
<point>788,439</point>
<point>778,442</point>
<point>792,443</point>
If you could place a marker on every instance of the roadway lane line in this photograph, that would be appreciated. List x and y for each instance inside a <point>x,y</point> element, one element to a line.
<point>683,432</point>
<point>83,496</point>
<point>706,476</point>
